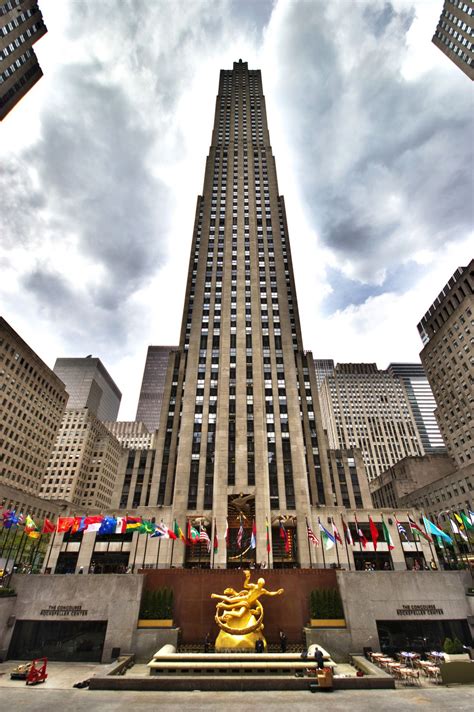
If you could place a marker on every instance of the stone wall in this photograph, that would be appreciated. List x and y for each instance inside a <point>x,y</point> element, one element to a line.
<point>113,598</point>
<point>7,609</point>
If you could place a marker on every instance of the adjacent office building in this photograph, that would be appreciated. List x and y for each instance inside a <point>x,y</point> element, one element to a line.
<point>90,386</point>
<point>153,385</point>
<point>454,35</point>
<point>21,25</point>
<point>448,359</point>
<point>367,408</point>
<point>422,403</point>
<point>32,400</point>
<point>84,464</point>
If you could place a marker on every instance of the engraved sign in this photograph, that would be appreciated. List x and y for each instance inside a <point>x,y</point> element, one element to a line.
<point>64,611</point>
<point>419,610</point>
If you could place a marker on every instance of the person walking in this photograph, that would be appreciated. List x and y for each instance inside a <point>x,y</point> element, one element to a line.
<point>283,641</point>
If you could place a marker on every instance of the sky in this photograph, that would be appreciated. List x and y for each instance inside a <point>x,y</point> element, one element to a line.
<point>100,165</point>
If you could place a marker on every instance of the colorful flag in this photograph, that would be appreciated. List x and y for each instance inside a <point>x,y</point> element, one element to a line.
<point>327,537</point>
<point>416,528</point>
<point>433,529</point>
<point>216,540</point>
<point>284,535</point>
<point>11,519</point>
<point>386,535</point>
<point>374,533</point>
<point>146,527</point>
<point>65,524</point>
<point>347,533</point>
<point>336,534</point>
<point>93,523</point>
<point>267,526</point>
<point>78,525</point>
<point>178,532</point>
<point>253,538</point>
<point>204,536</point>
<point>471,517</point>
<point>158,531</point>
<point>108,526</point>
<point>121,527</point>
<point>240,535</point>
<point>49,527</point>
<point>360,533</point>
<point>133,523</point>
<point>226,535</point>
<point>401,529</point>
<point>193,534</point>
<point>311,535</point>
<point>29,524</point>
<point>466,521</point>
<point>456,530</point>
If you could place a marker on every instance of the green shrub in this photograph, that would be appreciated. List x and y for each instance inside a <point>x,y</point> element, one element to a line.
<point>326,603</point>
<point>157,604</point>
<point>6,592</point>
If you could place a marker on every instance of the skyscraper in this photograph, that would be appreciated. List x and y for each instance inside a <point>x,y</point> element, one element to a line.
<point>89,385</point>
<point>153,385</point>
<point>454,34</point>
<point>21,25</point>
<point>448,360</point>
<point>367,408</point>
<point>422,402</point>
<point>243,420</point>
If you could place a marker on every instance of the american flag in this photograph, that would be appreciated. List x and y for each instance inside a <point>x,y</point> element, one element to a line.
<point>240,536</point>
<point>312,536</point>
<point>204,536</point>
<point>401,529</point>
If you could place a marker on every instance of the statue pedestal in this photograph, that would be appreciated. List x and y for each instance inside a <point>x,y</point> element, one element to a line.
<point>228,641</point>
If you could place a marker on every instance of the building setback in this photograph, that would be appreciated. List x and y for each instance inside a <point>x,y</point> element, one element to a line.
<point>32,402</point>
<point>153,385</point>
<point>367,408</point>
<point>448,359</point>
<point>422,403</point>
<point>21,25</point>
<point>89,385</point>
<point>454,35</point>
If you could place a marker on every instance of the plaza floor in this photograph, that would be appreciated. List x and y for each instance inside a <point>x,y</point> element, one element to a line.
<point>43,699</point>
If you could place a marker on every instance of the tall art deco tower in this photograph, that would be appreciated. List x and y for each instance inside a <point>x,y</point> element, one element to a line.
<point>241,435</point>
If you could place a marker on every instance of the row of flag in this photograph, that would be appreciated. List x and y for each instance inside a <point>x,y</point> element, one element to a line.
<point>330,539</point>
<point>101,524</point>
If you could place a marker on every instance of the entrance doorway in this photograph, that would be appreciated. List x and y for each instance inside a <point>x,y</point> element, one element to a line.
<point>68,641</point>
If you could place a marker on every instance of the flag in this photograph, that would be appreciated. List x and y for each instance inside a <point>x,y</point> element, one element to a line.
<point>347,533</point>
<point>433,529</point>
<point>373,533</point>
<point>169,533</point>
<point>311,535</point>
<point>121,527</point>
<point>193,534</point>
<point>93,523</point>
<point>471,517</point>
<point>77,525</point>
<point>204,536</point>
<point>466,521</point>
<point>253,538</point>
<point>386,535</point>
<point>336,534</point>
<point>108,526</point>
<point>65,524</point>
<point>178,532</point>
<point>226,535</point>
<point>284,535</point>
<point>133,523</point>
<point>11,519</point>
<point>158,531</point>
<point>360,534</point>
<point>216,540</point>
<point>49,527</point>
<point>146,527</point>
<point>240,535</point>
<point>30,528</point>
<point>327,537</point>
<point>416,528</point>
<point>456,530</point>
<point>401,529</point>
<point>269,547</point>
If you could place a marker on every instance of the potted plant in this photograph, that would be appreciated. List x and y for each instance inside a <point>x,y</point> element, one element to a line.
<point>156,610</point>
<point>326,609</point>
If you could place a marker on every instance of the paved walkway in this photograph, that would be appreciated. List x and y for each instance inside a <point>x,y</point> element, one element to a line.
<point>61,676</point>
<point>42,699</point>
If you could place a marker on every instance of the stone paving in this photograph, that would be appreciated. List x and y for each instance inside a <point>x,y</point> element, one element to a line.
<point>42,699</point>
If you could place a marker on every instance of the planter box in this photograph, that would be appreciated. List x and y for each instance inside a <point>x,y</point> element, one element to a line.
<point>155,623</point>
<point>327,623</point>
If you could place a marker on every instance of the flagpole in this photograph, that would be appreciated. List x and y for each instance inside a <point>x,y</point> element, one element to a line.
<point>20,550</point>
<point>50,547</point>
<point>268,531</point>
<point>11,547</point>
<point>213,533</point>
<point>4,545</point>
<point>36,552</point>
<point>240,519</point>
<point>309,545</point>
<point>144,553</point>
<point>388,544</point>
<point>322,545</point>
<point>172,552</point>
<point>429,542</point>
<point>337,549</point>
<point>135,555</point>
<point>344,526</point>
<point>400,540</point>
<point>158,549</point>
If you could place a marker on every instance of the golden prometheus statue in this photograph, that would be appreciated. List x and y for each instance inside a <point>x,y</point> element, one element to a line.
<point>239,615</point>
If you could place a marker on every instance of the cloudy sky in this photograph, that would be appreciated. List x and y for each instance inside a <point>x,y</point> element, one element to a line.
<point>101,163</point>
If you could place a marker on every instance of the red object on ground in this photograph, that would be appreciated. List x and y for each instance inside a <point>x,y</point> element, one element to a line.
<point>37,674</point>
